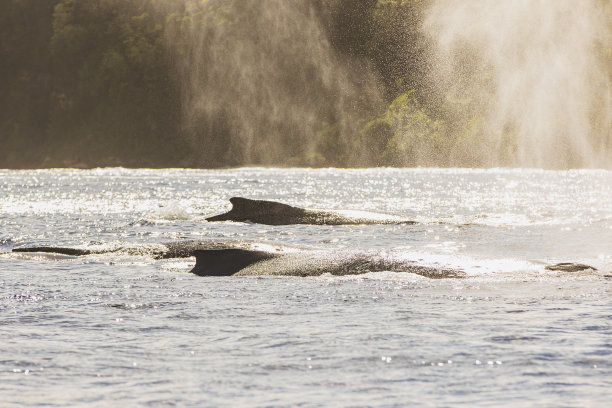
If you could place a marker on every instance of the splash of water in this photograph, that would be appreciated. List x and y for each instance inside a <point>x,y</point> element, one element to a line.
<point>529,80</point>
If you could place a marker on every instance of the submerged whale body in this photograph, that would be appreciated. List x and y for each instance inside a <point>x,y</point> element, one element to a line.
<point>243,258</point>
<point>178,249</point>
<point>275,213</point>
<point>245,262</point>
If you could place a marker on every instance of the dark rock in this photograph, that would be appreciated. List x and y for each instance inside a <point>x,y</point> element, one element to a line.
<point>569,267</point>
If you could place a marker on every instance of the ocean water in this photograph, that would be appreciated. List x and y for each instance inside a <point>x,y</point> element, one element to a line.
<point>127,330</point>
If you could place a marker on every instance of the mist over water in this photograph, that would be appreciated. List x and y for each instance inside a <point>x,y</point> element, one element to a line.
<point>314,83</point>
<point>263,75</point>
<point>522,84</point>
<point>531,79</point>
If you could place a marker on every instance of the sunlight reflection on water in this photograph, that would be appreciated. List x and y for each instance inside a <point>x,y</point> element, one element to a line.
<point>126,329</point>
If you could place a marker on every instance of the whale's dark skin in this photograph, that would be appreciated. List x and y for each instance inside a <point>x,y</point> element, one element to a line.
<point>178,249</point>
<point>243,258</point>
<point>245,262</point>
<point>274,213</point>
<point>227,258</point>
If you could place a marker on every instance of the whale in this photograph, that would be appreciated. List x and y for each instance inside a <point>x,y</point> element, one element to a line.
<point>247,262</point>
<point>276,213</point>
<point>247,258</point>
<point>176,249</point>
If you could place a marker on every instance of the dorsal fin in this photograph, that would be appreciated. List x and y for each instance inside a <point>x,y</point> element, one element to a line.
<point>226,262</point>
<point>241,205</point>
<point>261,211</point>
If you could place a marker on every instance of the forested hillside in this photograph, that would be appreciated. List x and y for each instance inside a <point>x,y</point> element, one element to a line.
<point>193,83</point>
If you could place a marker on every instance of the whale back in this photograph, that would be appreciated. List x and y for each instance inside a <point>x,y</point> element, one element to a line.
<point>248,262</point>
<point>275,213</point>
<point>56,250</point>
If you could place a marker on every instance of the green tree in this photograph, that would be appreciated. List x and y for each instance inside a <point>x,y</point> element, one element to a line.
<point>115,97</point>
<point>25,79</point>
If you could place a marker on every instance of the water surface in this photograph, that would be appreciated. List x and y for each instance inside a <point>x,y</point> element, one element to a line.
<point>116,329</point>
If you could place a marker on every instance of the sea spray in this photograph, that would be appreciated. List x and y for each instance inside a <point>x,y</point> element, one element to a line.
<point>526,83</point>
<point>261,79</point>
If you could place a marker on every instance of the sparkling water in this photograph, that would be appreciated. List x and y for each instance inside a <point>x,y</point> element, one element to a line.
<point>127,330</point>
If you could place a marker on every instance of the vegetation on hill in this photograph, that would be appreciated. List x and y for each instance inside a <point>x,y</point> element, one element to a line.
<point>213,83</point>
